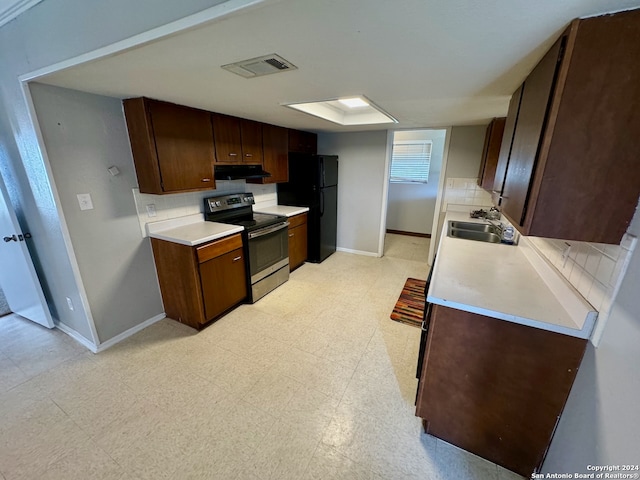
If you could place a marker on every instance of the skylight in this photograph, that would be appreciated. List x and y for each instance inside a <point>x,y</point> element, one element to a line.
<point>355,110</point>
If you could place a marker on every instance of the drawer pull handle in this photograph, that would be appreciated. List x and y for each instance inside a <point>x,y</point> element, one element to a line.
<point>248,154</point>
<point>237,258</point>
<point>233,154</point>
<point>206,179</point>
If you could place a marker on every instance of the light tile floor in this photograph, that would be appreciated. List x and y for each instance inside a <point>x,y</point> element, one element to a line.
<point>312,382</point>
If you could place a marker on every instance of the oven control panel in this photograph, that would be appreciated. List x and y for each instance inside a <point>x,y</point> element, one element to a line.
<point>226,202</point>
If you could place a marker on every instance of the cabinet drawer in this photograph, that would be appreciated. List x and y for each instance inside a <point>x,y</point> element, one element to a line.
<point>297,220</point>
<point>219,247</point>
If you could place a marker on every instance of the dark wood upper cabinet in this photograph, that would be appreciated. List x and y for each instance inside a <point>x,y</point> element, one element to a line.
<point>490,153</point>
<point>534,105</point>
<point>238,140</point>
<point>275,159</point>
<point>172,146</point>
<point>228,138</point>
<point>303,142</point>
<point>251,135</point>
<point>573,169</point>
<point>505,145</point>
<point>175,147</point>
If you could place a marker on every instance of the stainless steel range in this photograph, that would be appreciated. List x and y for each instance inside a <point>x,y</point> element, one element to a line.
<point>266,239</point>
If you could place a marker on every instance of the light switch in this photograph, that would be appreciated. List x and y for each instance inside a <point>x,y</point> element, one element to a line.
<point>84,199</point>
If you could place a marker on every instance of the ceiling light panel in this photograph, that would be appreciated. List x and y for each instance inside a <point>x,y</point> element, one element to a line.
<point>354,102</point>
<point>346,111</point>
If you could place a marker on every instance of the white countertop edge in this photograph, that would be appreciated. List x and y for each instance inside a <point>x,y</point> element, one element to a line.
<point>573,302</point>
<point>286,210</point>
<point>154,227</point>
<point>572,332</point>
<point>581,313</point>
<point>232,229</point>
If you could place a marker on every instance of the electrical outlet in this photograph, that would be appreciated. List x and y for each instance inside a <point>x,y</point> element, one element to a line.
<point>70,304</point>
<point>151,210</point>
<point>84,199</point>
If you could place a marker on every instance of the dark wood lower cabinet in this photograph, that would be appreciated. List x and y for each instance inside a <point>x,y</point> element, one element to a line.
<point>297,241</point>
<point>200,283</point>
<point>495,388</point>
<point>223,282</point>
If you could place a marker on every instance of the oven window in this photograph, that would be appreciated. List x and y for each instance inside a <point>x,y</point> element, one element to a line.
<point>268,250</point>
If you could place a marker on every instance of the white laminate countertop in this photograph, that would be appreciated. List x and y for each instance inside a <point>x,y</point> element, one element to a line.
<point>285,210</point>
<point>191,230</point>
<point>500,281</point>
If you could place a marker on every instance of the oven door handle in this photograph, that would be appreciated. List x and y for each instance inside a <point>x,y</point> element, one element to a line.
<point>268,230</point>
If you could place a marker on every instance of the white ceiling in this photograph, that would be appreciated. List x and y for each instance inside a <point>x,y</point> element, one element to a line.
<point>427,62</point>
<point>10,9</point>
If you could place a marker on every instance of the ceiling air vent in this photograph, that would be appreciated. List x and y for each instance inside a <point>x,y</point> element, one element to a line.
<point>256,67</point>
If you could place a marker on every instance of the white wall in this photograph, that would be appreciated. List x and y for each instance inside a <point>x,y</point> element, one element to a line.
<point>49,33</point>
<point>84,135</point>
<point>411,206</point>
<point>463,163</point>
<point>599,425</point>
<point>361,172</point>
<point>465,151</point>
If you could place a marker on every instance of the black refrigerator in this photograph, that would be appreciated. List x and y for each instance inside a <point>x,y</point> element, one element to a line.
<point>313,183</point>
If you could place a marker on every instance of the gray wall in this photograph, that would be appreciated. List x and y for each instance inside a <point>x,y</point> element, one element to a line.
<point>465,151</point>
<point>463,160</point>
<point>48,33</point>
<point>84,135</point>
<point>362,157</point>
<point>599,425</point>
<point>410,206</point>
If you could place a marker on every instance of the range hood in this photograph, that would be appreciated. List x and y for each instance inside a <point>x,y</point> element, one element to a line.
<point>237,172</point>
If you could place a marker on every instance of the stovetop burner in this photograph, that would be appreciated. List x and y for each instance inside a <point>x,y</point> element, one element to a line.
<point>237,209</point>
<point>257,220</point>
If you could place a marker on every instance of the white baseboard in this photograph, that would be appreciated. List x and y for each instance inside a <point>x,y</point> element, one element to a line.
<point>127,333</point>
<point>358,252</point>
<point>112,341</point>
<point>77,337</point>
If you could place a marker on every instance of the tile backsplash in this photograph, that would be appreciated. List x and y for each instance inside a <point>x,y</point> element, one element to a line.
<point>464,191</point>
<point>596,270</point>
<point>182,204</point>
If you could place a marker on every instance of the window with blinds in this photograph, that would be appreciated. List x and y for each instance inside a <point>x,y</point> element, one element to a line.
<point>410,161</point>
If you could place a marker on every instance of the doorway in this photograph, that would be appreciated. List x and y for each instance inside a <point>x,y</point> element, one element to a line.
<point>414,181</point>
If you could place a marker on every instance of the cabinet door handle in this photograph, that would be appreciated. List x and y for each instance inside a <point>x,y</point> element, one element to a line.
<point>237,258</point>
<point>233,154</point>
<point>248,154</point>
<point>206,180</point>
<point>291,235</point>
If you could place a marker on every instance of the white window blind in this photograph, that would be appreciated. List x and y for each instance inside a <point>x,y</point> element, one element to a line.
<point>410,161</point>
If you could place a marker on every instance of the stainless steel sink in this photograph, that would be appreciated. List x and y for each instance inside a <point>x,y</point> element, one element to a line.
<point>476,227</point>
<point>480,232</point>
<point>471,235</point>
